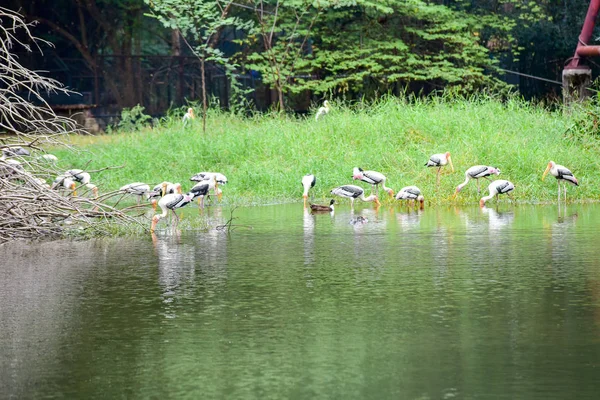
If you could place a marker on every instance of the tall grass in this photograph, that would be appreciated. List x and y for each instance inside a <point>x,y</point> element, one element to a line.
<point>266,156</point>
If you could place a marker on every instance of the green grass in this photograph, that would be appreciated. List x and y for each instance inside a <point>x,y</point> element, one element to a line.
<point>265,157</point>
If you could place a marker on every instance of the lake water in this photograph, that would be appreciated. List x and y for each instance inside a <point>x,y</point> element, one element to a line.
<point>436,304</point>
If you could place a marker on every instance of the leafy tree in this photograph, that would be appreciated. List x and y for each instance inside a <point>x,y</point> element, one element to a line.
<point>203,21</point>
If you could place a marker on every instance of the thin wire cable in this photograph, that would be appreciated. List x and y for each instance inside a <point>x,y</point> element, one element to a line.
<point>530,76</point>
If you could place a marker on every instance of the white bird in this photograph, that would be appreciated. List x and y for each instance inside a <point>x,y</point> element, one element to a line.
<point>373,178</point>
<point>93,188</point>
<point>353,192</point>
<point>49,157</point>
<point>207,176</point>
<point>15,151</point>
<point>201,189</point>
<point>497,188</point>
<point>137,189</point>
<point>170,202</point>
<point>439,160</point>
<point>189,115</point>
<point>476,172</point>
<point>562,174</point>
<point>323,110</point>
<point>10,167</point>
<point>411,193</point>
<point>64,182</point>
<point>308,181</point>
<point>78,176</point>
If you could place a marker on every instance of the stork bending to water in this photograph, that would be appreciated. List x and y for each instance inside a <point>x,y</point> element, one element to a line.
<point>354,192</point>
<point>373,178</point>
<point>476,172</point>
<point>308,181</point>
<point>497,188</point>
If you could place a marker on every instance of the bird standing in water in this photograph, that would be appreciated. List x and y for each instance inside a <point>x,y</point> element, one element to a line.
<point>562,174</point>
<point>170,202</point>
<point>411,193</point>
<point>372,177</point>
<point>497,188</point>
<point>439,160</point>
<point>476,172</point>
<point>308,181</point>
<point>354,192</point>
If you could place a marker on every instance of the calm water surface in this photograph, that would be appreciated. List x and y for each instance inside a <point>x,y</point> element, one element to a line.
<point>444,303</point>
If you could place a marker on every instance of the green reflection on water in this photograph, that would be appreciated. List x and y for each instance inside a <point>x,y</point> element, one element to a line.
<point>440,303</point>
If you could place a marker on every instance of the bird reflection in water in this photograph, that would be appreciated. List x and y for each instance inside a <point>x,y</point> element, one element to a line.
<point>176,266</point>
<point>498,220</point>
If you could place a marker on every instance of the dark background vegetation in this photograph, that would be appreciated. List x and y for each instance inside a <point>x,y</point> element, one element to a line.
<point>117,55</point>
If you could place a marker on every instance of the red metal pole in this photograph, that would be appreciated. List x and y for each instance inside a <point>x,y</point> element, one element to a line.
<point>585,37</point>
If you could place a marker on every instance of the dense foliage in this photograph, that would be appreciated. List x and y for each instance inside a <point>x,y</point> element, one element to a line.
<point>350,48</point>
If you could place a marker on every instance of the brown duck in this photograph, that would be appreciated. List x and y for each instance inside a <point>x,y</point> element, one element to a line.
<point>318,207</point>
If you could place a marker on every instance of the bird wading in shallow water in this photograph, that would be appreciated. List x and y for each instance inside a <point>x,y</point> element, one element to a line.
<point>354,192</point>
<point>322,208</point>
<point>170,202</point>
<point>411,193</point>
<point>322,110</point>
<point>476,172</point>
<point>562,174</point>
<point>497,188</point>
<point>373,178</point>
<point>308,181</point>
<point>438,161</point>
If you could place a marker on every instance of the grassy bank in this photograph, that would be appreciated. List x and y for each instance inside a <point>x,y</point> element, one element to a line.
<point>265,157</point>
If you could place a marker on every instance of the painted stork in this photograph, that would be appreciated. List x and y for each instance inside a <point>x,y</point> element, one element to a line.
<point>93,188</point>
<point>411,193</point>
<point>320,208</point>
<point>497,188</point>
<point>137,189</point>
<point>353,192</point>
<point>64,182</point>
<point>49,157</point>
<point>308,181</point>
<point>189,115</point>
<point>170,202</point>
<point>562,174</point>
<point>10,167</point>
<point>207,176</point>
<point>439,160</point>
<point>15,151</point>
<point>201,189</point>
<point>323,110</point>
<point>373,178</point>
<point>476,172</point>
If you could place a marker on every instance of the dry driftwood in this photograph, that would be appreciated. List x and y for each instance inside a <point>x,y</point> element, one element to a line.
<point>29,209</point>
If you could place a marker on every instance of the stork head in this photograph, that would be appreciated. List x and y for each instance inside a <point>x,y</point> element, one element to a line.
<point>449,160</point>
<point>72,186</point>
<point>390,192</point>
<point>163,189</point>
<point>178,188</point>
<point>481,203</point>
<point>551,165</point>
<point>357,173</point>
<point>190,111</point>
